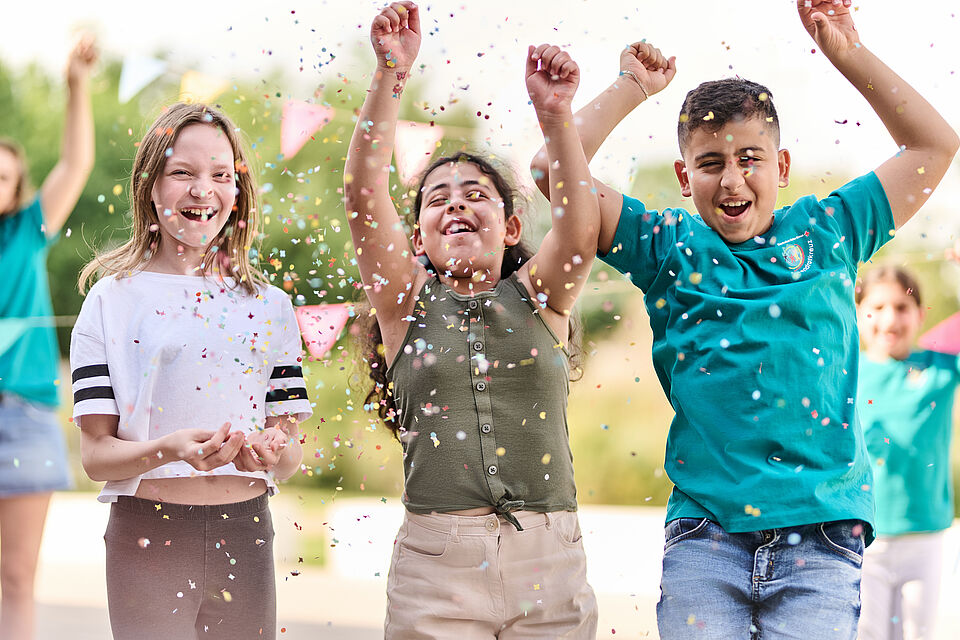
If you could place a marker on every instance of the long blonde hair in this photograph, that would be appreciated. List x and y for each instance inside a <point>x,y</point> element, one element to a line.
<point>238,234</point>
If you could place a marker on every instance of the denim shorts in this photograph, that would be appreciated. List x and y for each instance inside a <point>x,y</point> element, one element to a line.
<point>791,582</point>
<point>33,456</point>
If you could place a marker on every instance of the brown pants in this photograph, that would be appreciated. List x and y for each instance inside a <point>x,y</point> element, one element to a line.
<point>477,577</point>
<point>188,571</point>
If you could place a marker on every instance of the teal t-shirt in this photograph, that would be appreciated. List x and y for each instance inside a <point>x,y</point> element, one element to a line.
<point>906,407</point>
<point>28,343</point>
<point>755,345</point>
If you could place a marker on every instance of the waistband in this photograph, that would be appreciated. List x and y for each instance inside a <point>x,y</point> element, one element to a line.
<point>485,525</point>
<point>174,511</point>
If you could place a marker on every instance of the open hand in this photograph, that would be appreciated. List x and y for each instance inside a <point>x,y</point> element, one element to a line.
<point>262,450</point>
<point>651,68</point>
<point>830,24</point>
<point>205,449</point>
<point>82,58</point>
<point>395,35</point>
<point>552,79</point>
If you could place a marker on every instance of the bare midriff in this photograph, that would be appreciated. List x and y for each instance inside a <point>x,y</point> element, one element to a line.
<point>476,511</point>
<point>201,490</point>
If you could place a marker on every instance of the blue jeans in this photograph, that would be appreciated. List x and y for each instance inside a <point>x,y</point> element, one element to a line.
<point>797,582</point>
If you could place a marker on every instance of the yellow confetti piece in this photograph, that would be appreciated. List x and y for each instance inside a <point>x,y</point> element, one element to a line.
<point>709,116</point>
<point>661,303</point>
<point>117,189</point>
<point>545,459</point>
<point>696,278</point>
<point>920,170</point>
<point>543,415</point>
<point>501,451</point>
<point>227,597</point>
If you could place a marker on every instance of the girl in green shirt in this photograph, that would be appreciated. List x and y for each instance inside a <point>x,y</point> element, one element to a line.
<point>905,401</point>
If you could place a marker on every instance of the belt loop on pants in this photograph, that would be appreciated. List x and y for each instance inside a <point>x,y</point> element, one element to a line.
<point>454,529</point>
<point>551,516</point>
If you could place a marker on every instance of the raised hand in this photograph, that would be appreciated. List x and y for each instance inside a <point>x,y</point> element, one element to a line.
<point>261,450</point>
<point>82,58</point>
<point>830,24</point>
<point>395,35</point>
<point>204,449</point>
<point>644,63</point>
<point>552,80</point>
<point>953,253</point>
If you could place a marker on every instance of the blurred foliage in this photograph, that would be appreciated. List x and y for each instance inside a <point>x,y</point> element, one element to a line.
<point>618,415</point>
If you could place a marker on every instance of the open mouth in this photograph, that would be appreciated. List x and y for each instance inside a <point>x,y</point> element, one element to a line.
<point>455,227</point>
<point>734,208</point>
<point>198,214</point>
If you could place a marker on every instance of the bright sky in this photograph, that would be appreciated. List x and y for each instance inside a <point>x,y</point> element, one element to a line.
<point>474,50</point>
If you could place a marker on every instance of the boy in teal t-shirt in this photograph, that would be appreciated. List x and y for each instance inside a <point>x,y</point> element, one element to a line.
<point>754,340</point>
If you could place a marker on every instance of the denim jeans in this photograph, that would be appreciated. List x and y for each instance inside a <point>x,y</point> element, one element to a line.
<point>796,582</point>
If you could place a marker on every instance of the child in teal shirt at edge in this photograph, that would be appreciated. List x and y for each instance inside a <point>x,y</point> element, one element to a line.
<point>905,403</point>
<point>754,339</point>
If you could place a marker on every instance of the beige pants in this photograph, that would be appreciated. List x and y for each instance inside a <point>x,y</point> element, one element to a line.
<point>900,588</point>
<point>468,577</point>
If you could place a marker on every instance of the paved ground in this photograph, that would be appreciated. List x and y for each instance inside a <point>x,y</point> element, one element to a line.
<point>345,600</point>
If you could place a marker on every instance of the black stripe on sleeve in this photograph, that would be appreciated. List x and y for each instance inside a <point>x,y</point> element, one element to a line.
<point>287,371</point>
<point>293,393</point>
<point>90,371</point>
<point>92,393</point>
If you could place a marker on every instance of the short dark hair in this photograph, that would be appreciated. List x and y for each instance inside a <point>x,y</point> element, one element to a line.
<point>891,275</point>
<point>715,103</point>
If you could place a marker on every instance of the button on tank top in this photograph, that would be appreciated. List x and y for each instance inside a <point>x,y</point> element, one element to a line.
<point>481,387</point>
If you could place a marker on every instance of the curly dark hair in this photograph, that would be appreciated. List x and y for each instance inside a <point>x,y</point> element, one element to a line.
<point>715,103</point>
<point>366,330</point>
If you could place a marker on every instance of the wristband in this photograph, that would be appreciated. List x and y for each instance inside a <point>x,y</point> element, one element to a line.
<point>646,96</point>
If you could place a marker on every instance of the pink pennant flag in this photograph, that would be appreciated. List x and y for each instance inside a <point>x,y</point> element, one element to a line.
<point>321,325</point>
<point>415,143</point>
<point>944,337</point>
<point>301,120</point>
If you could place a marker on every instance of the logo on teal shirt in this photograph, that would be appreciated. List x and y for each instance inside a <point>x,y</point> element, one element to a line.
<point>793,256</point>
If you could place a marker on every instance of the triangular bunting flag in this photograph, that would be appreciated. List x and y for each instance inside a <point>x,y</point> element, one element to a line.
<point>301,120</point>
<point>415,143</point>
<point>137,72</point>
<point>199,87</point>
<point>321,325</point>
<point>944,337</point>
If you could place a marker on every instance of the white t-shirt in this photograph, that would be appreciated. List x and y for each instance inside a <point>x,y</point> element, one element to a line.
<point>166,352</point>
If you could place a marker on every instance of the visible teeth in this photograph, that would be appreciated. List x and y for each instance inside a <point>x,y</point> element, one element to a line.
<point>457,227</point>
<point>738,203</point>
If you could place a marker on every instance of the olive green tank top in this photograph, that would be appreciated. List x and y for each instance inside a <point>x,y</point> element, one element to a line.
<point>481,387</point>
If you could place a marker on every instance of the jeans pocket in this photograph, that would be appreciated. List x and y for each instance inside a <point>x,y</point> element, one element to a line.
<point>845,538</point>
<point>421,541</point>
<point>683,529</point>
<point>567,526</point>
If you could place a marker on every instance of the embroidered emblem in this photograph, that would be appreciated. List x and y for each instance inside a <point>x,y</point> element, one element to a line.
<point>793,256</point>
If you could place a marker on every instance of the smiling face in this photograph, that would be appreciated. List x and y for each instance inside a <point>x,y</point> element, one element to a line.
<point>461,226</point>
<point>889,320</point>
<point>195,191</point>
<point>733,175</point>
<point>9,180</point>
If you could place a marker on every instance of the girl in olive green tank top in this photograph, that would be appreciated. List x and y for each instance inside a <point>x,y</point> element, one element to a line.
<point>469,361</point>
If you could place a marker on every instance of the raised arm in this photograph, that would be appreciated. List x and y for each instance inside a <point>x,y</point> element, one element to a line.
<point>63,186</point>
<point>386,261</point>
<point>927,143</point>
<point>644,71</point>
<point>107,457</point>
<point>561,265</point>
